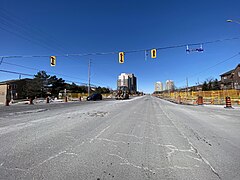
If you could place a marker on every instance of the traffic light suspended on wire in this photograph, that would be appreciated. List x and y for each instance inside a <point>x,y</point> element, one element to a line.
<point>121,57</point>
<point>53,60</point>
<point>153,53</point>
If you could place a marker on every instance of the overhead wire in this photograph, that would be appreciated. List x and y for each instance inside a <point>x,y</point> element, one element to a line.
<point>22,23</point>
<point>20,28</point>
<point>52,73</point>
<point>223,61</point>
<point>16,24</point>
<point>14,72</point>
<point>30,75</point>
<point>26,32</point>
<point>9,17</point>
<point>26,67</point>
<point>10,21</point>
<point>129,51</point>
<point>162,48</point>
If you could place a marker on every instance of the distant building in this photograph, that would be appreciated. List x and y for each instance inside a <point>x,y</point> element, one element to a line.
<point>158,86</point>
<point>17,88</point>
<point>128,80</point>
<point>3,93</point>
<point>169,85</point>
<point>231,79</point>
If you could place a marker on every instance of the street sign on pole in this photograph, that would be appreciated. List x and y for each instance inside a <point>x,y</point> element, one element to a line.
<point>121,57</point>
<point>153,53</point>
<point>53,60</point>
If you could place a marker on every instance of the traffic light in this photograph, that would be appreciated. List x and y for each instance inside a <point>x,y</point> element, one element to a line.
<point>121,57</point>
<point>153,53</point>
<point>53,60</point>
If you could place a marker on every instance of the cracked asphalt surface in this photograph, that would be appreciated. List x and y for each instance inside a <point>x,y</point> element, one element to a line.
<point>140,138</point>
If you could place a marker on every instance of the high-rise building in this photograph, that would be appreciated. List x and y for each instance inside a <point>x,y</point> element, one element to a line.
<point>169,85</point>
<point>128,80</point>
<point>158,86</point>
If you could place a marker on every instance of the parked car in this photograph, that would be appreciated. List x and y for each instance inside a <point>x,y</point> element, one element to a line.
<point>94,97</point>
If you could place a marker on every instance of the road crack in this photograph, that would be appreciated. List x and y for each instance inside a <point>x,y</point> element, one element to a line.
<point>192,146</point>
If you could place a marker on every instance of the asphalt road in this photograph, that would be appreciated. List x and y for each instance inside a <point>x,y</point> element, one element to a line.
<point>140,138</point>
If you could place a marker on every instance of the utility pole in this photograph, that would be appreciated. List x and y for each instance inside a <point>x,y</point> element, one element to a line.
<point>89,74</point>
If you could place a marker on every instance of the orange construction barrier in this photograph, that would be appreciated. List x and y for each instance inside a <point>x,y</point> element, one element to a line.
<point>47,100</point>
<point>31,101</point>
<point>228,102</point>
<point>7,102</point>
<point>66,99</point>
<point>179,100</point>
<point>200,100</point>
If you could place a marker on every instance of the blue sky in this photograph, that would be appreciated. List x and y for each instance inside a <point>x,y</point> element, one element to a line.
<point>57,27</point>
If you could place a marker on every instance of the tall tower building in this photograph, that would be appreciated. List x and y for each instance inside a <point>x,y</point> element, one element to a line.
<point>128,80</point>
<point>169,85</point>
<point>158,86</point>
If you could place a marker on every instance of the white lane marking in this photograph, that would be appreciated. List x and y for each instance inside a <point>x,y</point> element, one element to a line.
<point>131,135</point>
<point>191,145</point>
<point>16,169</point>
<point>52,157</point>
<point>71,153</point>
<point>99,134</point>
<point>126,162</point>
<point>123,142</point>
<point>28,112</point>
<point>57,155</point>
<point>112,141</point>
<point>172,148</point>
<point>177,167</point>
<point>198,159</point>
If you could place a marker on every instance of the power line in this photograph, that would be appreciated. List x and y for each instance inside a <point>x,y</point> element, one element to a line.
<point>14,72</point>
<point>8,16</point>
<point>30,75</point>
<point>29,32</point>
<point>53,73</point>
<point>24,32</point>
<point>223,61</point>
<point>130,51</point>
<point>26,67</point>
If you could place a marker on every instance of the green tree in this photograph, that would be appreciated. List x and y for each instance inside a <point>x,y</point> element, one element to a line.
<point>216,85</point>
<point>102,90</point>
<point>33,89</point>
<point>205,86</point>
<point>76,88</point>
<point>83,89</point>
<point>210,85</point>
<point>56,84</point>
<point>38,86</point>
<point>42,79</point>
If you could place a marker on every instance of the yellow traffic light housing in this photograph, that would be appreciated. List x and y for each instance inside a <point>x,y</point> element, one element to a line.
<point>153,53</point>
<point>53,60</point>
<point>121,57</point>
